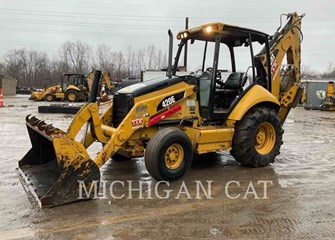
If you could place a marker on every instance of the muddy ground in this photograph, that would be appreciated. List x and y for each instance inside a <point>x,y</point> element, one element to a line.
<point>299,202</point>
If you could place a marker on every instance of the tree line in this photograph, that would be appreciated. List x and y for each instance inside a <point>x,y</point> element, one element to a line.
<point>308,73</point>
<point>33,68</point>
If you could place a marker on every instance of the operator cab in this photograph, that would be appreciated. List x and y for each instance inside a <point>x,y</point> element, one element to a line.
<point>229,67</point>
<point>78,80</point>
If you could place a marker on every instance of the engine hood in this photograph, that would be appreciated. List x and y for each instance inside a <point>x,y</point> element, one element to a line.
<point>149,86</point>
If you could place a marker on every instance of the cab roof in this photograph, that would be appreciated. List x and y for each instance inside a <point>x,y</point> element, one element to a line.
<point>230,34</point>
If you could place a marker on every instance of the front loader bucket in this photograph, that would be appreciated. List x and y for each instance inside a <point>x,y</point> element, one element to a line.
<point>56,169</point>
<point>35,95</point>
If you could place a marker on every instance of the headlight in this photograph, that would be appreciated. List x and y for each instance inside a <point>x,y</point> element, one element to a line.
<point>208,29</point>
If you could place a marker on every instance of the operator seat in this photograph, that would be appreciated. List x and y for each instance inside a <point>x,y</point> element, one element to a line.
<point>231,89</point>
<point>233,84</point>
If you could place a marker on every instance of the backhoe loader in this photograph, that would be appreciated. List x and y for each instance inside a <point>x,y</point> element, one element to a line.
<point>220,106</point>
<point>73,88</point>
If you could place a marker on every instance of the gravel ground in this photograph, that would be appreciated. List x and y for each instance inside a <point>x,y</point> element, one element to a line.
<point>298,203</point>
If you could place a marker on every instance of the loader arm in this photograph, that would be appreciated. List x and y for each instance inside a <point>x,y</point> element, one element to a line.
<point>132,122</point>
<point>89,112</point>
<point>113,138</point>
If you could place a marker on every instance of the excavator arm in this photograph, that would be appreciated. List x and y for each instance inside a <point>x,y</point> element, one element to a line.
<point>106,79</point>
<point>285,42</point>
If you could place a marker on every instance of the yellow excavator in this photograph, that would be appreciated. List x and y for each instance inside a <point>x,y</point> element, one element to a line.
<point>73,88</point>
<point>220,106</point>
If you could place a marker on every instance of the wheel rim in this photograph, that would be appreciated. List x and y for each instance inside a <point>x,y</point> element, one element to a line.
<point>71,96</point>
<point>49,98</point>
<point>174,156</point>
<point>265,138</point>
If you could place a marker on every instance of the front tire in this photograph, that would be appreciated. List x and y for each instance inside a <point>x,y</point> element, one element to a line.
<point>168,155</point>
<point>258,138</point>
<point>49,97</point>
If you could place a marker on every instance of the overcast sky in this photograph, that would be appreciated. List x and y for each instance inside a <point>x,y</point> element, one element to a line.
<point>45,25</point>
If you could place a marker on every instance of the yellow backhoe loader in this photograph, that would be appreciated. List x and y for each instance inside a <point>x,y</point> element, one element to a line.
<point>221,106</point>
<point>73,88</point>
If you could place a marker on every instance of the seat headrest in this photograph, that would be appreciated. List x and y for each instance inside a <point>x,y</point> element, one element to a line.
<point>234,80</point>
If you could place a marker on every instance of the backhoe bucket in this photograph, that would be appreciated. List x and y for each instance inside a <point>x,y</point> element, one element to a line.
<point>56,169</point>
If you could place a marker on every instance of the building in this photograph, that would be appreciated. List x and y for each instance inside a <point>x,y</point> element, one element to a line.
<point>8,85</point>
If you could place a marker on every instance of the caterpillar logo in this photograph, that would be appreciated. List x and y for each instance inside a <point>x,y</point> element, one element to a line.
<point>274,63</point>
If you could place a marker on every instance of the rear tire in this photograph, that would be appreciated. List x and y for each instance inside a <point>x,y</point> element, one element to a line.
<point>168,155</point>
<point>257,138</point>
<point>72,96</point>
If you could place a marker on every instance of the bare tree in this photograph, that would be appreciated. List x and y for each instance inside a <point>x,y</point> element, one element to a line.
<point>37,68</point>
<point>11,62</point>
<point>33,68</point>
<point>27,66</point>
<point>140,60</point>
<point>130,61</point>
<point>307,72</point>
<point>150,56</point>
<point>58,66</point>
<point>330,72</point>
<point>160,60</point>
<point>77,54</point>
<point>42,65</point>
<point>105,57</point>
<point>2,68</point>
<point>101,53</point>
<point>120,65</point>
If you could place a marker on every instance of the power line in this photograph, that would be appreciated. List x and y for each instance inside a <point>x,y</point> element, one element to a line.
<point>83,24</point>
<point>113,25</point>
<point>124,16</point>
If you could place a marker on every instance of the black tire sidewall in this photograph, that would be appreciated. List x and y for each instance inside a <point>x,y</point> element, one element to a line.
<point>46,98</point>
<point>178,172</point>
<point>246,152</point>
<point>74,92</point>
<point>162,172</point>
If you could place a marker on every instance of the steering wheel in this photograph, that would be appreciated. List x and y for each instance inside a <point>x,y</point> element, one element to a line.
<point>197,72</point>
<point>217,77</point>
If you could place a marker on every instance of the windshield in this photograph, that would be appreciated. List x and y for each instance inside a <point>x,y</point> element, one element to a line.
<point>200,57</point>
